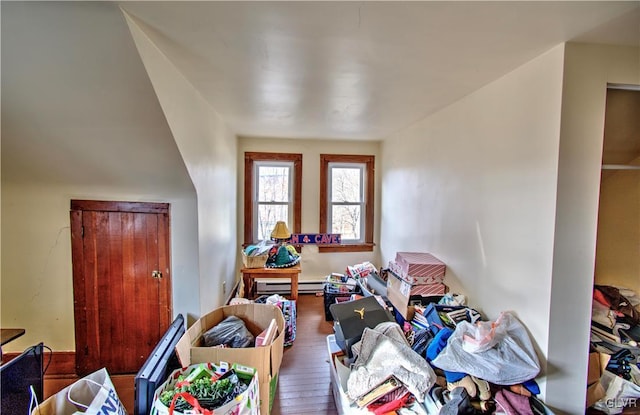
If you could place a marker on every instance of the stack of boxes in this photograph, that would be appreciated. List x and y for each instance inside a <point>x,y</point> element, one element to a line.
<point>414,274</point>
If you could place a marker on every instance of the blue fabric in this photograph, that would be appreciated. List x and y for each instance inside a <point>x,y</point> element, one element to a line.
<point>438,344</point>
<point>532,386</point>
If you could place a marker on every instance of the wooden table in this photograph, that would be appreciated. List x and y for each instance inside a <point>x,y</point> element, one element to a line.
<point>250,274</point>
<point>6,335</point>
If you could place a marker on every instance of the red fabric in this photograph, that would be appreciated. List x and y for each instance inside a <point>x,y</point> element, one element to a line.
<point>599,297</point>
<point>191,400</point>
<point>392,406</point>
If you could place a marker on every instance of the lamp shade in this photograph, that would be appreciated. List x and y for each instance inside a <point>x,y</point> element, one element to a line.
<point>280,231</point>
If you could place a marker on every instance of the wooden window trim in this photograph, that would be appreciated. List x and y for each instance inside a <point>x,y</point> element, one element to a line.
<point>369,162</point>
<point>116,206</point>
<point>250,158</point>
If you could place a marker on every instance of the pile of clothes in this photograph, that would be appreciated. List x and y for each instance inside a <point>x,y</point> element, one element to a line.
<point>482,366</point>
<point>615,319</point>
<point>615,335</point>
<point>445,360</point>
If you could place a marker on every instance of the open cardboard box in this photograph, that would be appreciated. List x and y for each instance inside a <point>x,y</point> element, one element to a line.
<point>266,359</point>
<point>597,364</point>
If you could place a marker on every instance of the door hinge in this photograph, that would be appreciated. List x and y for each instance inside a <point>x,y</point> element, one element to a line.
<point>82,231</point>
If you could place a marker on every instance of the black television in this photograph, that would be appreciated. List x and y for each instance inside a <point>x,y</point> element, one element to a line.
<point>18,376</point>
<point>161,362</point>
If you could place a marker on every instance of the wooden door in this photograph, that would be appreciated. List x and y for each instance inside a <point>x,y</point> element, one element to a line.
<point>121,282</point>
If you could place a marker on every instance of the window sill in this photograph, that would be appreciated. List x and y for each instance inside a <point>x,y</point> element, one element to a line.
<point>366,247</point>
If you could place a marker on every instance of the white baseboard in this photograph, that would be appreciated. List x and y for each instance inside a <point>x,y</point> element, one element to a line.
<point>267,286</point>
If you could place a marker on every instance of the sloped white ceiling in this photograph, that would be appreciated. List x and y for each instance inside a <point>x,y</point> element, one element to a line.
<point>358,69</point>
<point>78,107</point>
<point>77,104</point>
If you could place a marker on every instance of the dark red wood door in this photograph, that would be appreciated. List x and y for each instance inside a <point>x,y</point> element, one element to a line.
<point>121,282</point>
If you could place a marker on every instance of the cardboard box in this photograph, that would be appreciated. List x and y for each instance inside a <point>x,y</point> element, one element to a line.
<point>595,371</point>
<point>595,392</point>
<point>413,280</point>
<point>400,292</point>
<point>429,289</point>
<point>339,375</point>
<point>266,359</point>
<point>418,268</point>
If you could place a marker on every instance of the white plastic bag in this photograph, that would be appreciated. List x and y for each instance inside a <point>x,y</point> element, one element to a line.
<point>483,335</point>
<point>499,352</point>
<point>620,392</point>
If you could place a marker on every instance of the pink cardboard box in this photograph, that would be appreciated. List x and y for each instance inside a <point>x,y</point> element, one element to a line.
<point>429,289</point>
<point>413,280</point>
<point>419,268</point>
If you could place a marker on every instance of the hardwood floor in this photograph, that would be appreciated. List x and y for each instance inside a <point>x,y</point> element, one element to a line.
<point>303,382</point>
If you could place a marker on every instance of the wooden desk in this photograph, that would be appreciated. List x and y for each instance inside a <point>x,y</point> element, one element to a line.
<point>6,335</point>
<point>250,274</point>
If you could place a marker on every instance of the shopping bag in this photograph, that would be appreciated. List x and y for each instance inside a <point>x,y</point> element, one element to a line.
<point>245,403</point>
<point>619,392</point>
<point>500,352</point>
<point>94,394</point>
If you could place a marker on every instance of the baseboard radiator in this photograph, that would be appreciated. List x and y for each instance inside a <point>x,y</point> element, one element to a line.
<point>266,286</point>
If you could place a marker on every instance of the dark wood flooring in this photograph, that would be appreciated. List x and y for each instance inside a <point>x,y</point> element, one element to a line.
<point>303,383</point>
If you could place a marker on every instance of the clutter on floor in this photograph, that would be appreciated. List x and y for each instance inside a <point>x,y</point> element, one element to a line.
<point>227,336</point>
<point>405,345</point>
<point>613,380</point>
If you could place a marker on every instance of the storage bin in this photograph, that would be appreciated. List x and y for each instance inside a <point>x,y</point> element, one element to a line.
<point>338,283</point>
<point>330,297</point>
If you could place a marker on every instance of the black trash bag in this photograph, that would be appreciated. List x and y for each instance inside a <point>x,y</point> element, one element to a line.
<point>231,332</point>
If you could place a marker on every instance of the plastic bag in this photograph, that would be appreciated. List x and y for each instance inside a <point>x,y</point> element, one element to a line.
<point>231,332</point>
<point>503,352</point>
<point>620,392</point>
<point>484,335</point>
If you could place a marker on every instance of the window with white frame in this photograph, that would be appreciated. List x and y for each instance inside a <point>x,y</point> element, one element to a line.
<point>273,189</point>
<point>346,200</point>
<point>272,193</point>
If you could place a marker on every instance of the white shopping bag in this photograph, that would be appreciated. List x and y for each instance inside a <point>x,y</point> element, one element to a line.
<point>94,394</point>
<point>620,392</point>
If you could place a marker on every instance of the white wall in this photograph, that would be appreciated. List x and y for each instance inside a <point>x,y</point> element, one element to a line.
<point>618,241</point>
<point>475,185</point>
<point>208,148</point>
<point>315,265</point>
<point>83,123</point>
<point>587,70</point>
<point>37,279</point>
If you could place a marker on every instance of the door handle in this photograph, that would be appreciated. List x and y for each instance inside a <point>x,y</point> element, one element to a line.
<point>156,274</point>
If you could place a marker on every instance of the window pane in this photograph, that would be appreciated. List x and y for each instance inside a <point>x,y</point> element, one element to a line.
<point>345,185</point>
<point>345,220</point>
<point>268,215</point>
<point>273,184</point>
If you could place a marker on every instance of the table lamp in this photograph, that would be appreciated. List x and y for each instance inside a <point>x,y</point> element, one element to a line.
<point>282,254</point>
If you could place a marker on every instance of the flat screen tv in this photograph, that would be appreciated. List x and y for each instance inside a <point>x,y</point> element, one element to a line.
<point>161,362</point>
<point>17,376</point>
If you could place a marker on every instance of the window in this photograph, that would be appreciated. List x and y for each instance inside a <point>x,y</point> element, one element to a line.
<point>272,192</point>
<point>346,201</point>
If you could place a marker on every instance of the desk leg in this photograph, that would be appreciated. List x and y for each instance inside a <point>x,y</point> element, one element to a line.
<point>294,287</point>
<point>248,286</point>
